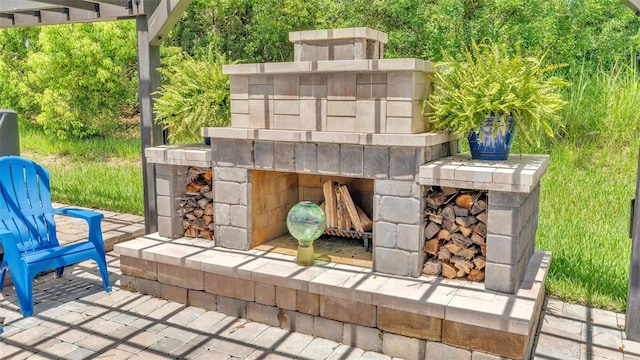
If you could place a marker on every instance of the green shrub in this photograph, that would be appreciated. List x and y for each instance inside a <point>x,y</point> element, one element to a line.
<point>195,94</point>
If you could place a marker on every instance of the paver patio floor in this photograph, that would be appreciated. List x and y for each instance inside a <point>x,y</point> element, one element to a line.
<point>75,319</point>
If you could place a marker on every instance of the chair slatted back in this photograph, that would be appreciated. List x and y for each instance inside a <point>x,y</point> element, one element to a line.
<point>25,204</point>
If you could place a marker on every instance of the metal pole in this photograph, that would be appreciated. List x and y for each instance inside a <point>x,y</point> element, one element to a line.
<point>632,318</point>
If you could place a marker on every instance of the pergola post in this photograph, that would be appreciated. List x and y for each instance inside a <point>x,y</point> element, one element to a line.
<point>632,318</point>
<point>151,133</point>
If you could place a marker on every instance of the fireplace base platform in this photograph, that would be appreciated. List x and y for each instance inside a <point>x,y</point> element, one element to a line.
<point>412,318</point>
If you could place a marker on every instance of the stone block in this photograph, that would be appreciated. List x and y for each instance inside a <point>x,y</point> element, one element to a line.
<point>328,158</point>
<point>286,86</point>
<point>232,237</point>
<point>341,124</point>
<point>239,215</point>
<point>149,287</point>
<point>501,277</point>
<point>400,85</point>
<point>167,206</point>
<point>260,113</point>
<point>285,298</point>
<point>341,108</point>
<point>264,155</point>
<point>180,276</point>
<point>402,163</point>
<point>307,303</point>
<point>202,299</point>
<point>400,210</point>
<point>409,324</point>
<point>170,227</point>
<point>168,171</point>
<point>376,162</point>
<point>237,175</point>
<point>295,321</point>
<point>386,235</point>
<point>482,339</point>
<point>313,79</point>
<point>127,283</point>
<point>402,109</point>
<point>476,355</point>
<point>343,310</point>
<point>223,152</point>
<point>284,156</point>
<point>328,329</point>
<point>222,214</point>
<point>436,350</point>
<point>501,198</point>
<point>174,293</point>
<point>313,114</point>
<point>504,249</point>
<point>394,188</point>
<point>170,185</point>
<point>403,347</point>
<point>239,86</point>
<point>263,314</point>
<point>504,220</point>
<point>306,158</point>
<point>371,116</point>
<point>408,238</point>
<point>227,192</point>
<point>363,337</point>
<point>244,152</point>
<point>406,125</point>
<point>286,107</point>
<point>239,106</point>
<point>341,86</point>
<point>351,160</point>
<point>391,261</point>
<point>240,120</point>
<point>231,307</point>
<point>228,286</point>
<point>286,122</point>
<point>265,294</point>
<point>139,268</point>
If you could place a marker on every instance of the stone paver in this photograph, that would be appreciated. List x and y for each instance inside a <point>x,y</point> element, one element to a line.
<point>75,319</point>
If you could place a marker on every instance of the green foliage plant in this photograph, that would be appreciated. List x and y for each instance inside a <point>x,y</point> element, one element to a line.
<point>488,81</point>
<point>195,94</point>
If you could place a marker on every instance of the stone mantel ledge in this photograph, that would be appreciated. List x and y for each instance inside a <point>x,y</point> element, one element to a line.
<point>299,67</point>
<point>422,139</point>
<point>344,33</point>
<point>453,300</point>
<point>183,154</point>
<point>520,173</point>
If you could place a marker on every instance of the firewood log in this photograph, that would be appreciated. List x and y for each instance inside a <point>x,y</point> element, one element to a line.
<point>476,275</point>
<point>478,207</point>
<point>449,213</point>
<point>483,249</point>
<point>208,175</point>
<point>208,219</point>
<point>432,267</point>
<point>479,263</point>
<point>482,217</point>
<point>464,201</point>
<point>460,211</point>
<point>444,234</point>
<point>185,224</point>
<point>435,218</point>
<point>461,240</point>
<point>198,212</point>
<point>468,253</point>
<point>466,231</point>
<point>465,221</point>
<point>431,230</point>
<point>477,239</point>
<point>463,265</point>
<point>481,229</point>
<point>208,210</point>
<point>367,223</point>
<point>330,204</point>
<point>453,248</point>
<point>448,270</point>
<point>435,200</point>
<point>432,247</point>
<point>444,254</point>
<point>448,190</point>
<point>451,226</point>
<point>351,209</point>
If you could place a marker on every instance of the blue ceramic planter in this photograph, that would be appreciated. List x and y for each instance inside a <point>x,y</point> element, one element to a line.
<point>491,146</point>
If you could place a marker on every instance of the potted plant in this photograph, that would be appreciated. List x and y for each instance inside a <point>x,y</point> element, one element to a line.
<point>489,94</point>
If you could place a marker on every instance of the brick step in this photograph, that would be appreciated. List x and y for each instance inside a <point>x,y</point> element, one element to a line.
<point>400,316</point>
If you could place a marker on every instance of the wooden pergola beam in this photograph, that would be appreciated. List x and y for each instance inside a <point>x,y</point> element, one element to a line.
<point>164,18</point>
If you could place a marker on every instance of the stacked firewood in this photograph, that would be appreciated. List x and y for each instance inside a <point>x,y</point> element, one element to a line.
<point>456,233</point>
<point>341,212</point>
<point>197,207</point>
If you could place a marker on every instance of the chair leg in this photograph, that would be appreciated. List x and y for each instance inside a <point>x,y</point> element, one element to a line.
<point>104,273</point>
<point>3,272</point>
<point>24,291</point>
<point>59,271</point>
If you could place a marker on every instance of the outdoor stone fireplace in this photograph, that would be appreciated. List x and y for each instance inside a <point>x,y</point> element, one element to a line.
<point>341,112</point>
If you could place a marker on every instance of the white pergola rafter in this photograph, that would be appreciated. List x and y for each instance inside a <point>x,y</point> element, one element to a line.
<point>154,19</point>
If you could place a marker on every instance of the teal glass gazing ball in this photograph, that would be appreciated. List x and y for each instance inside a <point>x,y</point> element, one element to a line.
<point>306,221</point>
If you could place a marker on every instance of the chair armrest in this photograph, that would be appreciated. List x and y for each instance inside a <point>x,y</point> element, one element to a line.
<point>93,218</point>
<point>8,243</point>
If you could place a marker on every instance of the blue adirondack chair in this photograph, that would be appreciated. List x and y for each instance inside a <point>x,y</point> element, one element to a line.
<point>28,231</point>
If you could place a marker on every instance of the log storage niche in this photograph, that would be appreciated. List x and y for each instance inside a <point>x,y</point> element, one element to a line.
<point>344,218</point>
<point>196,207</point>
<point>455,234</point>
